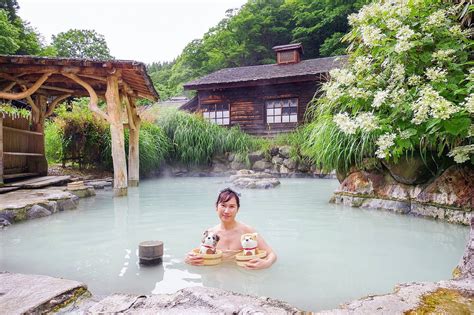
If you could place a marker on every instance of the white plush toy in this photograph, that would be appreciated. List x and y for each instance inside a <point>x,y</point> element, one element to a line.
<point>208,243</point>
<point>249,243</point>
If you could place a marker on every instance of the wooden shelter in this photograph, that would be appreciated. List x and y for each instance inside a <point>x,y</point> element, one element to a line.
<point>265,99</point>
<point>45,82</point>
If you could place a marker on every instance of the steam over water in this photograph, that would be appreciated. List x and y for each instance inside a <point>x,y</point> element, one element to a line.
<point>327,254</point>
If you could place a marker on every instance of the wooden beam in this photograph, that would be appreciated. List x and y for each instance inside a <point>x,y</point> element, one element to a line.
<point>54,88</point>
<point>92,95</point>
<point>9,87</point>
<point>28,92</point>
<point>53,105</point>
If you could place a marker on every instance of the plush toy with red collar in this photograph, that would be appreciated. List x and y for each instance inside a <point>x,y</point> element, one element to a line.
<point>208,243</point>
<point>249,244</point>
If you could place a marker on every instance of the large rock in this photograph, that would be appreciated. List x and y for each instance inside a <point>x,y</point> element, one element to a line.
<point>454,188</point>
<point>290,164</point>
<point>277,160</point>
<point>444,297</point>
<point>261,165</point>
<point>236,165</point>
<point>38,212</point>
<point>254,180</point>
<point>410,170</point>
<point>465,268</point>
<point>255,156</point>
<point>284,151</point>
<point>195,300</point>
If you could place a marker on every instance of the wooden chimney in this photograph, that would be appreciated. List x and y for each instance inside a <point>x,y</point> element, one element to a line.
<point>288,54</point>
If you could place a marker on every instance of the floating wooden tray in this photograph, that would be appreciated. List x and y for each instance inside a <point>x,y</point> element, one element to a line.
<point>210,259</point>
<point>241,259</point>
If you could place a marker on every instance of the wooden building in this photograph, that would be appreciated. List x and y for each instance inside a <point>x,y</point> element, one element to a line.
<point>265,99</point>
<point>45,82</point>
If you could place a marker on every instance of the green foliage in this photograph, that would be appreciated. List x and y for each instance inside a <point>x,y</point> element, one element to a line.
<point>17,37</point>
<point>53,138</point>
<point>14,112</point>
<point>11,7</point>
<point>81,44</point>
<point>9,35</point>
<point>195,141</point>
<point>333,46</point>
<point>246,36</point>
<point>408,86</point>
<point>85,138</point>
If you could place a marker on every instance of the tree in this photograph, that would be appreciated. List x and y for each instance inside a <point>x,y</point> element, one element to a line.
<point>9,35</point>
<point>81,44</point>
<point>10,6</point>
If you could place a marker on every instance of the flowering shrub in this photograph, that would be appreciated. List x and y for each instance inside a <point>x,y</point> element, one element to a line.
<point>407,86</point>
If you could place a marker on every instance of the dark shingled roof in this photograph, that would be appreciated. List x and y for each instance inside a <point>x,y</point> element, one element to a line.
<point>304,70</point>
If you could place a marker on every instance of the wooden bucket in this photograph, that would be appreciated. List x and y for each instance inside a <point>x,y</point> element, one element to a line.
<point>241,259</point>
<point>210,259</point>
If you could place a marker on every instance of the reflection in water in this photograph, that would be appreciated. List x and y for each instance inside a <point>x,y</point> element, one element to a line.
<point>327,254</point>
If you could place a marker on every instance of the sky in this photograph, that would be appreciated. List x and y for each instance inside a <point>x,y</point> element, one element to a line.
<point>142,30</point>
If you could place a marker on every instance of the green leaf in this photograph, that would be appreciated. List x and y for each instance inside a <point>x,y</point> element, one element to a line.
<point>457,126</point>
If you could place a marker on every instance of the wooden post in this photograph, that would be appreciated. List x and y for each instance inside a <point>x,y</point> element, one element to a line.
<point>114,112</point>
<point>133,142</point>
<point>1,150</point>
<point>38,164</point>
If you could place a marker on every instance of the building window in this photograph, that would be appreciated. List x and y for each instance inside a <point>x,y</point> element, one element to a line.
<point>282,111</point>
<point>217,113</point>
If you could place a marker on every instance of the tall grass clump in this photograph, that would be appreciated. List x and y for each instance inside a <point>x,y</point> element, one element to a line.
<point>195,141</point>
<point>154,147</point>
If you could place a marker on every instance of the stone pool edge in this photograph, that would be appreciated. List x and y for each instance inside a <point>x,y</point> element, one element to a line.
<point>28,204</point>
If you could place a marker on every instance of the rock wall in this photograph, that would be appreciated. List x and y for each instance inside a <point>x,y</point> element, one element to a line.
<point>277,161</point>
<point>449,196</point>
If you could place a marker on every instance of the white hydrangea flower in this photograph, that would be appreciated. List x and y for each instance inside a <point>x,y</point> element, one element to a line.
<point>436,74</point>
<point>353,19</point>
<point>443,55</point>
<point>345,123</point>
<point>379,99</point>
<point>461,153</point>
<point>356,92</point>
<point>431,103</point>
<point>366,121</point>
<point>471,131</point>
<point>384,142</point>
<point>436,19</point>
<point>398,96</point>
<point>393,24</point>
<point>342,76</point>
<point>414,80</point>
<point>362,63</point>
<point>371,35</point>
<point>398,73</point>
<point>470,76</point>
<point>456,30</point>
<point>333,91</point>
<point>405,33</point>
<point>403,45</point>
<point>469,103</point>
